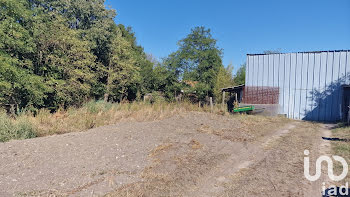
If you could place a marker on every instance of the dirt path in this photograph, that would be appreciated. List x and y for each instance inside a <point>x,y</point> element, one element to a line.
<point>193,154</point>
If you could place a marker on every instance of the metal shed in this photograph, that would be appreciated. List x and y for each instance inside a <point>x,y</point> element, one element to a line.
<point>303,85</point>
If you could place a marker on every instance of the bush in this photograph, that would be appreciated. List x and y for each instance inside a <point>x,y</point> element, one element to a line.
<point>9,130</point>
<point>98,106</point>
<point>157,97</point>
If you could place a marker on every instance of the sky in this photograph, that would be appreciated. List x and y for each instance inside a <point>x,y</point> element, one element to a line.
<point>240,26</point>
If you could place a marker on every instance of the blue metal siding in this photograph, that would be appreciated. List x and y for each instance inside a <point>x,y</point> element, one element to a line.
<point>287,86</point>
<point>310,83</point>
<point>303,85</point>
<point>281,81</point>
<point>316,88</point>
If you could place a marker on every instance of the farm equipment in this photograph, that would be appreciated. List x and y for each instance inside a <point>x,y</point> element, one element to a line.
<point>236,96</point>
<point>244,109</point>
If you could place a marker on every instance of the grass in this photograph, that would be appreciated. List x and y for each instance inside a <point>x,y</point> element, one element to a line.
<point>93,114</point>
<point>21,128</point>
<point>96,114</point>
<point>99,113</point>
<point>341,148</point>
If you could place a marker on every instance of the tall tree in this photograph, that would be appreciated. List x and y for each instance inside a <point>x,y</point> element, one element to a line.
<point>142,61</point>
<point>121,70</point>
<point>63,60</point>
<point>224,79</point>
<point>240,75</point>
<point>19,86</point>
<point>198,59</point>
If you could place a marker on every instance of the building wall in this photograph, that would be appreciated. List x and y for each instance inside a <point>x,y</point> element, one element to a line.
<point>306,85</point>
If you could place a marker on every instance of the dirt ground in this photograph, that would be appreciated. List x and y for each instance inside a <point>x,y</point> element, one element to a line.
<point>192,154</point>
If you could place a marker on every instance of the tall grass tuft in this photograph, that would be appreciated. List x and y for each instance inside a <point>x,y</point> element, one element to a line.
<point>10,129</point>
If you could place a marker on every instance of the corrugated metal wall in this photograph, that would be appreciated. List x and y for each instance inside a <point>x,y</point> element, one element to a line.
<point>308,85</point>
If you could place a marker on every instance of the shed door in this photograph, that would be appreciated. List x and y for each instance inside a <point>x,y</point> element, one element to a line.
<point>346,102</point>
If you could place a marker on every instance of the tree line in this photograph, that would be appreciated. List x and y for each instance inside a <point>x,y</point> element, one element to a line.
<point>61,53</point>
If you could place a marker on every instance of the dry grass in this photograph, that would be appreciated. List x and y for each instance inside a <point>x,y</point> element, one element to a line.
<point>251,127</point>
<point>96,114</point>
<point>341,148</point>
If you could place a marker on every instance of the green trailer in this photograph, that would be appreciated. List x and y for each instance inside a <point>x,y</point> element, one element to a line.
<point>244,109</point>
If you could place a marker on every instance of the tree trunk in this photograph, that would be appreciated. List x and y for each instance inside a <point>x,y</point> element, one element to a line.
<point>106,95</point>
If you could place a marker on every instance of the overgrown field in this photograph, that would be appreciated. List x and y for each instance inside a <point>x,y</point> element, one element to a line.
<point>91,115</point>
<point>98,113</point>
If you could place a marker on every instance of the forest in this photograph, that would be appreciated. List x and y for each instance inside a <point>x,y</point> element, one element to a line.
<point>62,53</point>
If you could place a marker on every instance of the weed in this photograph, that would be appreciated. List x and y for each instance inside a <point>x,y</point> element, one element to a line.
<point>11,129</point>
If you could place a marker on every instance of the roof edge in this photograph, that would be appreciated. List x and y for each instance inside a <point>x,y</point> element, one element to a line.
<point>252,54</point>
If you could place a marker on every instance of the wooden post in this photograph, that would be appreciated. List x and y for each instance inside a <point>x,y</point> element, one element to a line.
<point>211,104</point>
<point>223,100</point>
<point>236,101</point>
<point>199,103</point>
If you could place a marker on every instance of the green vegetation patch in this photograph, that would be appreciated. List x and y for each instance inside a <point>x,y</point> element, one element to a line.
<point>9,129</point>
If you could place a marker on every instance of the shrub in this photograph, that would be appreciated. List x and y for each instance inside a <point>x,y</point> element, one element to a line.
<point>98,106</point>
<point>9,130</point>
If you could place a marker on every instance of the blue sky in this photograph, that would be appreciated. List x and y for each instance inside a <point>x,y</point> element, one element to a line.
<point>241,27</point>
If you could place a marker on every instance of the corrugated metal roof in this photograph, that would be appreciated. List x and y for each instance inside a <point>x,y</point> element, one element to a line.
<point>300,52</point>
<point>234,88</point>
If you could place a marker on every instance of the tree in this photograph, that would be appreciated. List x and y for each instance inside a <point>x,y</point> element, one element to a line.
<point>144,63</point>
<point>15,37</point>
<point>61,53</point>
<point>197,59</point>
<point>63,60</point>
<point>224,79</point>
<point>121,71</point>
<point>239,78</point>
<point>272,51</point>
<point>19,86</point>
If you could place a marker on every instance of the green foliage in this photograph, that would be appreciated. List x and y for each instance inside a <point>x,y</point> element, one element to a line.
<point>240,75</point>
<point>97,106</point>
<point>15,35</point>
<point>197,59</point>
<point>224,79</point>
<point>62,53</point>
<point>63,60</point>
<point>9,130</point>
<point>18,86</point>
<point>122,71</point>
<point>157,97</point>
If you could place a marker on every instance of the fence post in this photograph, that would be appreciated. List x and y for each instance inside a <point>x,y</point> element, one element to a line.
<point>211,104</point>
<point>223,100</point>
